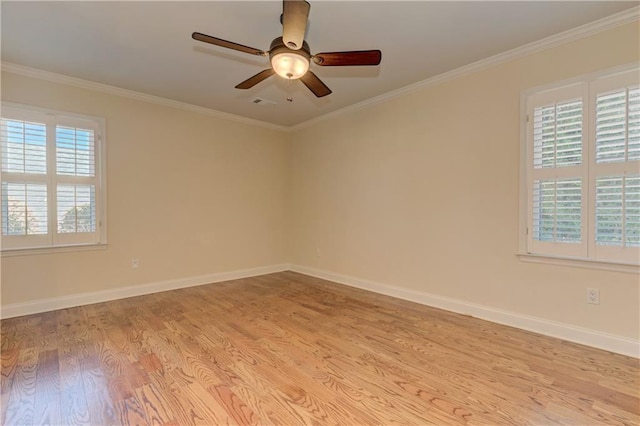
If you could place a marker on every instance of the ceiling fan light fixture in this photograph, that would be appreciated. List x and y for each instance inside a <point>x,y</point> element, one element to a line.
<point>290,55</point>
<point>290,65</point>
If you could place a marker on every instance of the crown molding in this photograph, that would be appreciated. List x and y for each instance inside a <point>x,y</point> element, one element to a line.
<point>583,31</point>
<point>604,24</point>
<point>131,94</point>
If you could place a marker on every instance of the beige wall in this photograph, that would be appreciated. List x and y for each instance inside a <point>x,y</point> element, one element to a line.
<point>421,192</point>
<point>188,195</point>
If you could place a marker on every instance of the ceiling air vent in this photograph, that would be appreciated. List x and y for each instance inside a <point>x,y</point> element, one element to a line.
<point>262,102</point>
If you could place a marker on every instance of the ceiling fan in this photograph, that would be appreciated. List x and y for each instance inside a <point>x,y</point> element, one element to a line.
<point>290,55</point>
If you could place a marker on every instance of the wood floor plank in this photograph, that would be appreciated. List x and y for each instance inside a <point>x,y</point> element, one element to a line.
<point>240,412</point>
<point>47,403</point>
<point>4,403</point>
<point>99,402</point>
<point>184,411</point>
<point>206,408</point>
<point>130,412</point>
<point>21,403</point>
<point>9,364</point>
<point>156,405</point>
<point>291,349</point>
<point>74,407</point>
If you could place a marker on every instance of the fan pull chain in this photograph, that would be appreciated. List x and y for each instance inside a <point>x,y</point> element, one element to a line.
<point>289,96</point>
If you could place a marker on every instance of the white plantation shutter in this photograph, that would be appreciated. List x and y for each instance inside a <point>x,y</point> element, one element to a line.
<point>24,208</point>
<point>51,181</point>
<point>615,171</point>
<point>583,170</point>
<point>76,208</point>
<point>557,210</point>
<point>558,135</point>
<point>556,190</point>
<point>609,211</point>
<point>75,151</point>
<point>618,126</point>
<point>618,211</point>
<point>76,219</point>
<point>23,147</point>
<point>633,124</point>
<point>632,211</point>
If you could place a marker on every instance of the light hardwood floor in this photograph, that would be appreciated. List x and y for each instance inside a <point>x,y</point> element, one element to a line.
<point>288,349</point>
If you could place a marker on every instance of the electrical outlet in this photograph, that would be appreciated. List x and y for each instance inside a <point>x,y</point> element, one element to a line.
<point>135,263</point>
<point>593,296</point>
<point>318,253</point>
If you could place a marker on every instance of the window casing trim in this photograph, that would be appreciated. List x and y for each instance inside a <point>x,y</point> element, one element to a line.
<point>576,262</point>
<point>524,252</point>
<point>52,249</point>
<point>54,242</point>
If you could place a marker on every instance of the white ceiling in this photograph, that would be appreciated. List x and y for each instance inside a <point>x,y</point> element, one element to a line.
<point>147,46</point>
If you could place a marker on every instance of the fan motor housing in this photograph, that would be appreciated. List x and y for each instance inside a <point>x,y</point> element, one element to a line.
<point>278,46</point>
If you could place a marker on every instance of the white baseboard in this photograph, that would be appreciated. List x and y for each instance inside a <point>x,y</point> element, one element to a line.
<point>609,342</point>
<point>51,304</point>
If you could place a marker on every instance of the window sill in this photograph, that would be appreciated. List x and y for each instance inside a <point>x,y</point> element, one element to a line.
<point>629,268</point>
<point>52,250</point>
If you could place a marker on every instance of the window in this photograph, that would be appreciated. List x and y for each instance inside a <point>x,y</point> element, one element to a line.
<point>582,173</point>
<point>51,178</point>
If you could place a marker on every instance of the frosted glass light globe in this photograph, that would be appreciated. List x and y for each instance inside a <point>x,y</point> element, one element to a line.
<point>289,65</point>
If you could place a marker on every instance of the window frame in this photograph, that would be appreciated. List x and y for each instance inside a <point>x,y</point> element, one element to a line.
<point>588,254</point>
<point>54,241</point>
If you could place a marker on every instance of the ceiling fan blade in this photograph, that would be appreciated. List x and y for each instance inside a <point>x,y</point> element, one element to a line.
<point>228,44</point>
<point>341,59</point>
<point>294,22</point>
<point>252,81</point>
<point>314,84</point>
